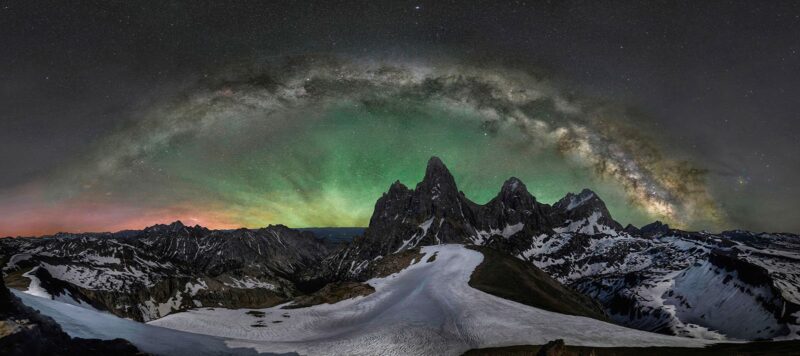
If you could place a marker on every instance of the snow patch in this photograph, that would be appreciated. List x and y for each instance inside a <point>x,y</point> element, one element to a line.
<point>35,288</point>
<point>576,201</point>
<point>248,283</point>
<point>717,298</point>
<point>81,322</point>
<point>588,226</point>
<point>192,289</point>
<point>415,238</point>
<point>506,232</point>
<point>12,262</point>
<point>427,308</point>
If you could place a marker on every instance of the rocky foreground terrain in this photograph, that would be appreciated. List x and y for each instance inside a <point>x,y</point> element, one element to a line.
<point>734,284</point>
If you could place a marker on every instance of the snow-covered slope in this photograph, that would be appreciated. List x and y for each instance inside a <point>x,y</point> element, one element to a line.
<point>83,323</point>
<point>689,284</point>
<point>427,308</point>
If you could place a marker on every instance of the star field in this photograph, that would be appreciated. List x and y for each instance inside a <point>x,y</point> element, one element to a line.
<point>122,114</point>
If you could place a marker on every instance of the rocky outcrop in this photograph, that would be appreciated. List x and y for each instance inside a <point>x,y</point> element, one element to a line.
<point>656,228</point>
<point>332,294</point>
<point>553,348</point>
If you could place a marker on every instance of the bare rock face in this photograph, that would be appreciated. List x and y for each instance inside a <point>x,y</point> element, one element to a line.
<point>512,206</point>
<point>553,348</point>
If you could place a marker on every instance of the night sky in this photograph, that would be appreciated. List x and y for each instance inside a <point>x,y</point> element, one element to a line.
<point>122,114</point>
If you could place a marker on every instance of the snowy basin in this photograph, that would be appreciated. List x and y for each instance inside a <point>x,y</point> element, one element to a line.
<point>425,309</point>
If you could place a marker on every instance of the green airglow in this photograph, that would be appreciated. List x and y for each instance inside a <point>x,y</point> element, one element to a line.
<point>328,168</point>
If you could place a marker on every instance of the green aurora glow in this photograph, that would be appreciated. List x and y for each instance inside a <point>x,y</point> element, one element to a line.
<point>318,143</point>
<point>331,172</point>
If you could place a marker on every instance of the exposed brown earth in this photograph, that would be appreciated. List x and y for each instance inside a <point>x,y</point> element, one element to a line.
<point>507,277</point>
<point>331,294</point>
<point>762,348</point>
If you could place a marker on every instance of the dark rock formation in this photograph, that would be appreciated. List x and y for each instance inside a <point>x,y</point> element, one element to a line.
<point>331,294</point>
<point>553,348</point>
<point>437,212</point>
<point>654,229</point>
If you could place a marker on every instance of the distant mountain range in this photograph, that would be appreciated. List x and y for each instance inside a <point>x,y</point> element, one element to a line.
<point>148,274</point>
<point>734,284</point>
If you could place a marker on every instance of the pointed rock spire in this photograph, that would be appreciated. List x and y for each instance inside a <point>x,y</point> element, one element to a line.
<point>514,194</point>
<point>438,179</point>
<point>513,185</point>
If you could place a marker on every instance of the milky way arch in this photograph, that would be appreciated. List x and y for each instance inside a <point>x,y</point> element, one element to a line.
<point>313,141</point>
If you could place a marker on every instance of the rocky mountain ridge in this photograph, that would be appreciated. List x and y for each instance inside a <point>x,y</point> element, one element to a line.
<point>435,212</point>
<point>147,274</point>
<point>733,284</point>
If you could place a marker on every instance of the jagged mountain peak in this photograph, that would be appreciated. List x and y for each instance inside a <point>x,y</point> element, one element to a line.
<point>396,188</point>
<point>176,227</point>
<point>437,178</point>
<point>177,224</point>
<point>585,203</point>
<point>632,230</point>
<point>514,185</point>
<point>654,228</point>
<point>436,212</point>
<point>435,163</point>
<point>572,201</point>
<point>585,213</point>
<point>514,195</point>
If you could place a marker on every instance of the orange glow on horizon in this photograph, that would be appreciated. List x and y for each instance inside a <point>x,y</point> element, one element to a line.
<point>32,217</point>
